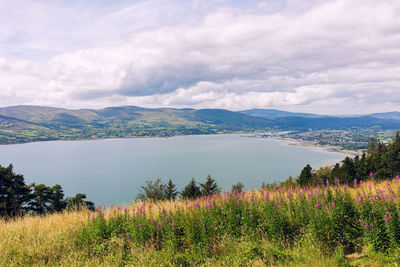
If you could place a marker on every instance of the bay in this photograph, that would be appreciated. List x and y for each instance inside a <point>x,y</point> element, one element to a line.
<point>111,171</point>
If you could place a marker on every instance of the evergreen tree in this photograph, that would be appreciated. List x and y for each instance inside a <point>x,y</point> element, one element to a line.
<point>14,194</point>
<point>170,192</point>
<point>191,190</point>
<point>305,177</point>
<point>210,187</point>
<point>57,202</point>
<point>41,199</point>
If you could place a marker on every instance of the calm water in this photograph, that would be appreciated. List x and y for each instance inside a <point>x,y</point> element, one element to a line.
<point>112,171</point>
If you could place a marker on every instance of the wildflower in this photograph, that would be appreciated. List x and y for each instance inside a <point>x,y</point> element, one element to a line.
<point>371,174</point>
<point>366,224</point>
<point>307,211</point>
<point>238,216</point>
<point>201,223</point>
<point>386,219</point>
<point>355,181</point>
<point>152,221</point>
<point>301,230</point>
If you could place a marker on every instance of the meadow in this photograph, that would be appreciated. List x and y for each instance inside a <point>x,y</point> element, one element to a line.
<point>326,225</point>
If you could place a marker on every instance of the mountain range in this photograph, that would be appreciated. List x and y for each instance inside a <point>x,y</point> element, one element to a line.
<point>38,123</point>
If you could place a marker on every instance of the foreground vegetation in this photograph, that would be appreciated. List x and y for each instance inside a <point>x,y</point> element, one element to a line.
<point>324,225</point>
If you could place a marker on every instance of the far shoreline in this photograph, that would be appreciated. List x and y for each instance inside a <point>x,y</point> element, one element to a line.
<point>302,143</point>
<point>286,141</point>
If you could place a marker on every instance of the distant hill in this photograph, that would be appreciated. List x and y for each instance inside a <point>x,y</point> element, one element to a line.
<point>36,123</point>
<point>394,115</point>
<point>274,113</point>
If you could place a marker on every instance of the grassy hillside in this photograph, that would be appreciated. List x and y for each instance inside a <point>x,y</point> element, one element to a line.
<point>327,225</point>
<point>20,124</point>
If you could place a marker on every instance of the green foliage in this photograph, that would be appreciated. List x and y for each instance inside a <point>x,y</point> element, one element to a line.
<point>380,162</point>
<point>78,202</point>
<point>305,177</point>
<point>153,190</point>
<point>210,187</point>
<point>239,187</point>
<point>191,190</point>
<point>170,192</point>
<point>14,194</point>
<point>156,190</point>
<point>18,199</point>
<point>46,199</point>
<point>330,219</point>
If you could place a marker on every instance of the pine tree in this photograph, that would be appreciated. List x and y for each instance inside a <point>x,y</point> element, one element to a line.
<point>57,202</point>
<point>170,192</point>
<point>191,190</point>
<point>210,187</point>
<point>14,193</point>
<point>305,177</point>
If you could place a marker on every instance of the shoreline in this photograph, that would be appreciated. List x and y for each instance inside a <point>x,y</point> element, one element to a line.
<point>302,143</point>
<point>286,141</point>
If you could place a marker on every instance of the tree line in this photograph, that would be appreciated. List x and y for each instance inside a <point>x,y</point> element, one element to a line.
<point>19,199</point>
<point>156,190</point>
<point>380,162</point>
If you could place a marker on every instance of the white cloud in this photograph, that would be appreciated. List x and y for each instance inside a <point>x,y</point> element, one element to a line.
<point>334,56</point>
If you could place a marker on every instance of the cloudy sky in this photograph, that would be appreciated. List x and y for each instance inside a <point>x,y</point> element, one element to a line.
<point>329,57</point>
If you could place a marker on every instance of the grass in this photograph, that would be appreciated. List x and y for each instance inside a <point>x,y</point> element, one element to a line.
<point>285,227</point>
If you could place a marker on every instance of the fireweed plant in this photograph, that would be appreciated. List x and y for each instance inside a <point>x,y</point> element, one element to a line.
<point>327,215</point>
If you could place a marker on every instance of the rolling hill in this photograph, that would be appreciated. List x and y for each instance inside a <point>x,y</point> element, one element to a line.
<point>37,123</point>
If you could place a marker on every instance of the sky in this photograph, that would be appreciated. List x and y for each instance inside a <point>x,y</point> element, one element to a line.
<point>320,56</point>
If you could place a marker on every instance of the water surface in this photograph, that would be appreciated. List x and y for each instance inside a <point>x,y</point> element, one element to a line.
<point>111,171</point>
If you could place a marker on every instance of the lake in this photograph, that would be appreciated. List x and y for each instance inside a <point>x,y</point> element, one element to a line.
<point>111,171</point>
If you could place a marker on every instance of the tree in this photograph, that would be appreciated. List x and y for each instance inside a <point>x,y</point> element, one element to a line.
<point>210,187</point>
<point>41,199</point>
<point>14,194</point>
<point>305,177</point>
<point>239,187</point>
<point>153,191</point>
<point>57,202</point>
<point>170,192</point>
<point>78,202</point>
<point>191,190</point>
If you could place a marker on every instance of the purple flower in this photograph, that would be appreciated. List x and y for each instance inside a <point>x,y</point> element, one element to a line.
<point>371,174</point>
<point>201,223</point>
<point>386,219</point>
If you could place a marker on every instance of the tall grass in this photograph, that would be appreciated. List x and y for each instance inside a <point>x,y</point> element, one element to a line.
<point>292,225</point>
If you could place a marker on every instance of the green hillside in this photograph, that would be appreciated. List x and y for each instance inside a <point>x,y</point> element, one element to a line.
<point>20,124</point>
